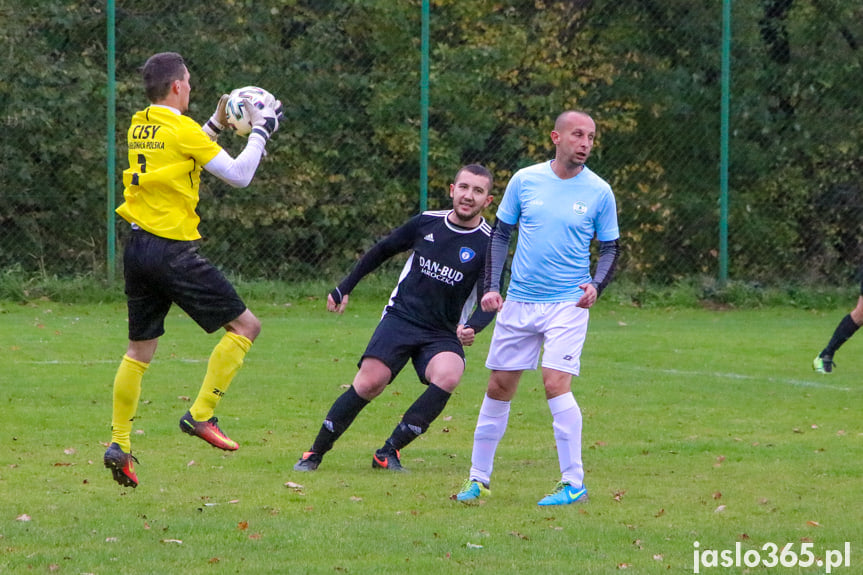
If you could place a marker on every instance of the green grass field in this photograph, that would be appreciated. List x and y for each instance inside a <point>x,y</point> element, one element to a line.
<point>705,426</point>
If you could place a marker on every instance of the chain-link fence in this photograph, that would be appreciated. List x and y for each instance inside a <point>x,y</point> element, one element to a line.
<point>344,167</point>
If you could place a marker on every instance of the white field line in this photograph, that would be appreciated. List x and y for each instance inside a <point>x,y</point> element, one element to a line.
<point>92,361</point>
<point>747,377</point>
<point>676,372</point>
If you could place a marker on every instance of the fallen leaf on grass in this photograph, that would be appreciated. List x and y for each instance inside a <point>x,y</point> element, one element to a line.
<point>813,524</point>
<point>657,557</point>
<point>294,486</point>
<point>519,535</point>
<point>70,451</point>
<point>717,495</point>
<point>255,536</point>
<point>243,525</point>
<point>659,513</point>
<point>184,398</point>
<point>473,546</point>
<point>23,517</point>
<point>618,495</point>
<point>213,560</point>
<point>177,541</point>
<point>719,509</point>
<point>355,498</point>
<point>623,565</point>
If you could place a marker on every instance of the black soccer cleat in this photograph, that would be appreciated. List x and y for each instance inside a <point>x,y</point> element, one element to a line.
<point>122,465</point>
<point>387,459</point>
<point>308,462</point>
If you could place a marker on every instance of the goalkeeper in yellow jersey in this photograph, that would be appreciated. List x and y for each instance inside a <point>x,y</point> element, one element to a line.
<point>162,266</point>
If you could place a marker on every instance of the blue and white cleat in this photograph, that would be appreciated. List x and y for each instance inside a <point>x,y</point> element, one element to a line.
<point>472,491</point>
<point>564,494</point>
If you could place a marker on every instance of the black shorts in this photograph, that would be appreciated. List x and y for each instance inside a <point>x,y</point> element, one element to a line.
<point>159,272</point>
<point>396,340</point>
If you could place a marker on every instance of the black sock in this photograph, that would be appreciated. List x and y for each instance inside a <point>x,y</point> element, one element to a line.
<point>844,331</point>
<point>343,412</point>
<point>418,417</point>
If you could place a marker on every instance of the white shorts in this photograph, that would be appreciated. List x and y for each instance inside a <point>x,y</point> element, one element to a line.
<point>522,330</point>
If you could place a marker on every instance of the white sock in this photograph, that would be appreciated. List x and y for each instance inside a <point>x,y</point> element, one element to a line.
<point>490,427</point>
<point>567,435</point>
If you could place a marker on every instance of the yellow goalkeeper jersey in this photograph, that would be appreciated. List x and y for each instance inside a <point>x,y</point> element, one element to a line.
<point>166,154</point>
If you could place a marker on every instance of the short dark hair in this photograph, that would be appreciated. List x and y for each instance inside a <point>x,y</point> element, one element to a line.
<point>477,170</point>
<point>159,72</point>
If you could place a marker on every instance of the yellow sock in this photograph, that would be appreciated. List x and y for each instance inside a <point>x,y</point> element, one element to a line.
<point>127,391</point>
<point>225,361</point>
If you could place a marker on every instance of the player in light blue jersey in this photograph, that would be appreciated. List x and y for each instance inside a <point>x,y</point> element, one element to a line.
<point>559,206</point>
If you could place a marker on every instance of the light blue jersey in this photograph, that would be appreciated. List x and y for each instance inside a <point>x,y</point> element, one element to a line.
<point>557,219</point>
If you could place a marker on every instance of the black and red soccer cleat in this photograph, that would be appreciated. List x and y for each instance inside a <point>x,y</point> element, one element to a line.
<point>387,459</point>
<point>122,465</point>
<point>308,462</point>
<point>209,431</point>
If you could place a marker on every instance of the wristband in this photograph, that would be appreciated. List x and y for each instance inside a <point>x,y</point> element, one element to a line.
<point>336,294</point>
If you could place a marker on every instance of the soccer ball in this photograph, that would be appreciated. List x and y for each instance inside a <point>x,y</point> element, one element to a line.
<point>238,118</point>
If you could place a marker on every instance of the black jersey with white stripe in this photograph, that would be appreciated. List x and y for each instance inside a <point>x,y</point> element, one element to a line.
<point>442,280</point>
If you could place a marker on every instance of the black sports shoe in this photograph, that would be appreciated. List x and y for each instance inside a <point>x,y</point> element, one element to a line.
<point>387,459</point>
<point>121,466</point>
<point>308,462</point>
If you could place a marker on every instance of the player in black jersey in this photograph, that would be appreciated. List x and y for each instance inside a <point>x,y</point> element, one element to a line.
<point>426,320</point>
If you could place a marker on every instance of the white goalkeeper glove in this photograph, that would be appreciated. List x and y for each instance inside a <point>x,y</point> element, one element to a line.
<point>218,120</point>
<point>265,121</point>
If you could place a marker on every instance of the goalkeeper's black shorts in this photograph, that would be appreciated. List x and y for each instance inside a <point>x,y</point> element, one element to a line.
<point>159,272</point>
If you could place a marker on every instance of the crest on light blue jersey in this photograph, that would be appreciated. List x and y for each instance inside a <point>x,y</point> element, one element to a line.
<point>466,254</point>
<point>579,208</point>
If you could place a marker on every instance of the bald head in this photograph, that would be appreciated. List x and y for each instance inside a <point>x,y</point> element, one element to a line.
<point>569,116</point>
<point>573,135</point>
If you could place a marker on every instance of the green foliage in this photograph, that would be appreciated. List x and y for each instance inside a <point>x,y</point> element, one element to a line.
<point>343,169</point>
